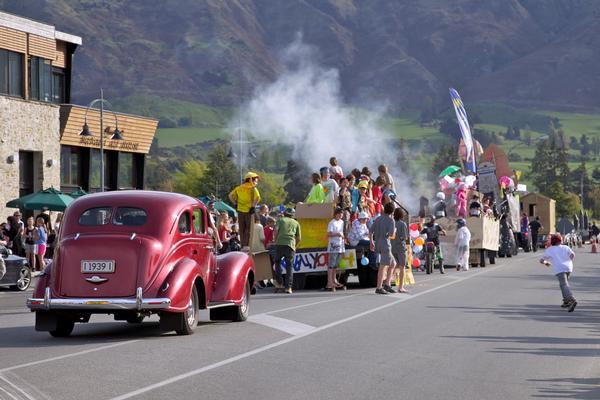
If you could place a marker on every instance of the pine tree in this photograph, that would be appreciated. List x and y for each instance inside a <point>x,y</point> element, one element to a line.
<point>549,165</point>
<point>221,175</point>
<point>296,178</point>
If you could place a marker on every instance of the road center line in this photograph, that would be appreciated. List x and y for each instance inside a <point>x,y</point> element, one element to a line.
<point>262,349</point>
<point>79,353</point>
<point>289,326</point>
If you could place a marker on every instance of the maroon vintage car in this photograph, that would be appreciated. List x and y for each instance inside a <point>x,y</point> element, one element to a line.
<point>135,253</point>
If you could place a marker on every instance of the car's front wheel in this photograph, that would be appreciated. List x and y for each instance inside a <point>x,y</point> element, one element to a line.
<point>189,318</point>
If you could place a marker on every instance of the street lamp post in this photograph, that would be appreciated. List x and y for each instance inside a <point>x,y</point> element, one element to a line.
<point>116,133</point>
<point>241,160</point>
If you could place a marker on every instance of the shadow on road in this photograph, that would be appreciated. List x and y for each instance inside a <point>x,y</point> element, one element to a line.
<point>92,333</point>
<point>568,388</point>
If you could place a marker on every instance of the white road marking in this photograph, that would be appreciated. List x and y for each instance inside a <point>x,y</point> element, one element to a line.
<point>262,349</point>
<point>18,389</point>
<point>337,298</point>
<point>285,325</point>
<point>8,393</point>
<point>79,353</point>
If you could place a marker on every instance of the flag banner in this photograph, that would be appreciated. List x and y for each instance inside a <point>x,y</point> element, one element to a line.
<point>465,129</point>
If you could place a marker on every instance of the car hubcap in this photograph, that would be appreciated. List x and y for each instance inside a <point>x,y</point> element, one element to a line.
<point>191,312</point>
<point>24,279</point>
<point>244,305</point>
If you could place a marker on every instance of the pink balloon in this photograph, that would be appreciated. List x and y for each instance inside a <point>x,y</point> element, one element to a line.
<point>416,262</point>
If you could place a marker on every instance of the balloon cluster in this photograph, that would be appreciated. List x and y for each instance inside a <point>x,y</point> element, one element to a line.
<point>418,243</point>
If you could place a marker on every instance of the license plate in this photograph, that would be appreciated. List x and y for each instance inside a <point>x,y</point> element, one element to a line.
<point>98,266</point>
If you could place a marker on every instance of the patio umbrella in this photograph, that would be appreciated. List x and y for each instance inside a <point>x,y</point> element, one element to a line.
<point>47,199</point>
<point>220,206</point>
<point>449,170</point>
<point>78,193</point>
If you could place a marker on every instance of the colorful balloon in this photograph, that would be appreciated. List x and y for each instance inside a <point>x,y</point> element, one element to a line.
<point>414,234</point>
<point>419,241</point>
<point>417,249</point>
<point>414,227</point>
<point>364,261</point>
<point>416,262</point>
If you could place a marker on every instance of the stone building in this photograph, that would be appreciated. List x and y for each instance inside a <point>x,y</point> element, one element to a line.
<point>41,142</point>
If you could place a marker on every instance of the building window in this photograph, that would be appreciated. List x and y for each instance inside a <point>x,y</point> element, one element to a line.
<point>40,79</point>
<point>58,86</point>
<point>126,175</point>
<point>11,73</point>
<point>70,166</point>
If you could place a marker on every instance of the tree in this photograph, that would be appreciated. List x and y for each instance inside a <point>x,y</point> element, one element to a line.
<point>574,143</point>
<point>580,180</point>
<point>509,134</point>
<point>527,137</point>
<point>516,133</point>
<point>271,192</point>
<point>585,146</point>
<point>189,179</point>
<point>447,155</point>
<point>450,127</point>
<point>296,178</point>
<point>157,176</point>
<point>221,175</point>
<point>596,174</point>
<point>567,203</point>
<point>549,165</point>
<point>595,200</point>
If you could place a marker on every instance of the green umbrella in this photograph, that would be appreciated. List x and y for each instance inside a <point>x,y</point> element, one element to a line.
<point>47,199</point>
<point>449,170</point>
<point>78,193</point>
<point>220,205</point>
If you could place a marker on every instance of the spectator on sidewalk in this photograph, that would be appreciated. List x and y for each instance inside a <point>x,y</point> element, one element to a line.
<point>381,232</point>
<point>399,249</point>
<point>246,196</point>
<point>535,227</point>
<point>385,175</point>
<point>41,238</point>
<point>30,246</point>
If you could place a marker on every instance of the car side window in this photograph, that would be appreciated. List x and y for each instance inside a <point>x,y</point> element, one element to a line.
<point>184,224</point>
<point>198,217</point>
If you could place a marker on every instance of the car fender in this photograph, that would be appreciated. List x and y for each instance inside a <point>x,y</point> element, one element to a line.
<point>233,270</point>
<point>177,286</point>
<point>44,281</point>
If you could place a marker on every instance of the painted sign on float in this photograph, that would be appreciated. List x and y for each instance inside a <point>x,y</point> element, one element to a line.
<point>316,261</point>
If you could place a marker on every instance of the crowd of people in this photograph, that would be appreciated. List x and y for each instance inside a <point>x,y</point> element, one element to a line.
<point>32,238</point>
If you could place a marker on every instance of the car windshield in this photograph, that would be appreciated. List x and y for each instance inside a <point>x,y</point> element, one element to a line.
<point>130,216</point>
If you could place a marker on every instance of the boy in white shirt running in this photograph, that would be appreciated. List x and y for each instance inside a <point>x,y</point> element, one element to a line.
<point>561,258</point>
<point>335,248</point>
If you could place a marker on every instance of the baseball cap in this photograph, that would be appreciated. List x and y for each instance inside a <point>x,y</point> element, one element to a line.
<point>363,215</point>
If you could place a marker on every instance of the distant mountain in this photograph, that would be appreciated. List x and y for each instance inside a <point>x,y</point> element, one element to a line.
<point>539,53</point>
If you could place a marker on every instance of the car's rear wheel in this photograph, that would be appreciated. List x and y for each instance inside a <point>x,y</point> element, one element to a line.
<point>64,327</point>
<point>189,318</point>
<point>23,280</point>
<point>237,313</point>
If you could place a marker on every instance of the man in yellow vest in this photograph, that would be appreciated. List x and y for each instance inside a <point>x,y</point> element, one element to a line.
<point>246,197</point>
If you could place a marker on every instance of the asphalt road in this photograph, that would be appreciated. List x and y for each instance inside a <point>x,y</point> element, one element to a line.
<point>489,333</point>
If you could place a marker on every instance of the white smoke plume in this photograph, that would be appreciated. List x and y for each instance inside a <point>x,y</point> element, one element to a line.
<point>304,109</point>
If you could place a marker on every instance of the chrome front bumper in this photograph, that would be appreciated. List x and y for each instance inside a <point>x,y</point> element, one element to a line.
<point>124,303</point>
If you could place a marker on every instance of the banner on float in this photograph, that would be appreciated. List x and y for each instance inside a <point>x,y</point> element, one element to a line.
<point>465,129</point>
<point>316,261</point>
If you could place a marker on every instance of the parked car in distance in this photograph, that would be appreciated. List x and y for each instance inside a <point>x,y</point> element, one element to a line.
<point>17,273</point>
<point>136,253</point>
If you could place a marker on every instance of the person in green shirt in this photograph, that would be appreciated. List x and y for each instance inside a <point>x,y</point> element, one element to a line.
<point>317,193</point>
<point>287,236</point>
